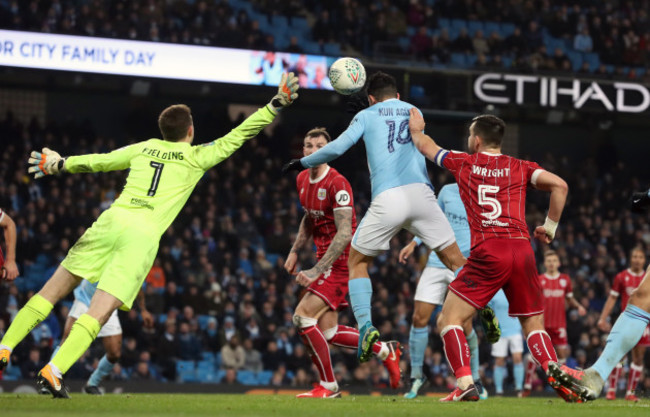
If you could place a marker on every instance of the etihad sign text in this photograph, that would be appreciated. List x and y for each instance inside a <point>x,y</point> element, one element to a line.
<point>497,88</point>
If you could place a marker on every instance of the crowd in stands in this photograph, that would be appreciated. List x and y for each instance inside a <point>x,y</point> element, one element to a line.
<point>604,39</point>
<point>222,301</point>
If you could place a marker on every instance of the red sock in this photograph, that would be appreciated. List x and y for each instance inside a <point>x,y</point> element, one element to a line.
<point>348,337</point>
<point>541,347</point>
<point>633,378</point>
<point>531,365</point>
<point>456,350</point>
<point>319,349</point>
<point>612,381</point>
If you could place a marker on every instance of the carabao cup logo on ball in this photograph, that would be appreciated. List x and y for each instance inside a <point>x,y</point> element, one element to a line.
<point>347,76</point>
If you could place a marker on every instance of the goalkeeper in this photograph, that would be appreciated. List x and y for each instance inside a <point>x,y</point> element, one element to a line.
<point>119,249</point>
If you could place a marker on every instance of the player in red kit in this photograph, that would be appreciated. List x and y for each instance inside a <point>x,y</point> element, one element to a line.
<point>624,284</point>
<point>326,197</point>
<point>557,291</point>
<point>8,267</point>
<point>493,189</point>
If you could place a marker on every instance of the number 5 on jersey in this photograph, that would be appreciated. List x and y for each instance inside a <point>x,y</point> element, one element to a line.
<point>158,167</point>
<point>490,202</point>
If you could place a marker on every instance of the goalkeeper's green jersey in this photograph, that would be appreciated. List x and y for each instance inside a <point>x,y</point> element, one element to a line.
<point>162,173</point>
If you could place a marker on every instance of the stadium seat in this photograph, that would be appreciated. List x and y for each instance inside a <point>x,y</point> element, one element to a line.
<point>593,59</point>
<point>474,26</point>
<point>332,49</point>
<point>207,376</point>
<point>203,321</point>
<point>575,58</point>
<point>491,27</point>
<point>640,71</point>
<point>444,23</point>
<point>417,91</point>
<point>507,29</point>
<point>220,375</point>
<point>217,360</point>
<point>507,61</point>
<point>471,59</point>
<point>264,377</point>
<point>12,373</point>
<point>247,378</point>
<point>272,258</point>
<point>209,364</point>
<point>404,43</point>
<point>411,30</point>
<point>458,24</point>
<point>311,47</point>
<point>185,371</point>
<point>162,318</point>
<point>207,356</point>
<point>279,21</point>
<point>458,60</point>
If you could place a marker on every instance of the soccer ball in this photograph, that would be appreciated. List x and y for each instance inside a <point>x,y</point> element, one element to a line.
<point>347,76</point>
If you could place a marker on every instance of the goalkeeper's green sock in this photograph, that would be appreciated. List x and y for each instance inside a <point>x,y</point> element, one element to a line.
<point>82,334</point>
<point>32,313</point>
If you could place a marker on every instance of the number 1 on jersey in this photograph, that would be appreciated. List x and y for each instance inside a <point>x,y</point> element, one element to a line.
<point>158,166</point>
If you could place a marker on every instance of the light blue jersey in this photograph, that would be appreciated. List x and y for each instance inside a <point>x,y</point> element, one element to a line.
<point>451,204</point>
<point>85,291</point>
<point>510,326</point>
<point>393,160</point>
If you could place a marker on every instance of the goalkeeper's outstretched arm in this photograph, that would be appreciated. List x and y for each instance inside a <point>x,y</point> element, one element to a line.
<point>49,162</point>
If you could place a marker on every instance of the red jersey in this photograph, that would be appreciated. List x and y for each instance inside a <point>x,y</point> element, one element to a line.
<point>493,190</point>
<point>319,198</point>
<point>556,290</point>
<point>2,257</point>
<point>624,283</point>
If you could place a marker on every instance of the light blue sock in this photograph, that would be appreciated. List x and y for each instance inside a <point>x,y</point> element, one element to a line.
<point>518,370</point>
<point>55,350</point>
<point>418,340</point>
<point>472,341</point>
<point>103,369</point>
<point>499,376</point>
<point>360,290</point>
<point>625,334</point>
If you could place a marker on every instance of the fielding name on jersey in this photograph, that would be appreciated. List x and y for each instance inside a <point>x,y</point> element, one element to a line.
<point>171,156</point>
<point>496,173</point>
<point>390,111</point>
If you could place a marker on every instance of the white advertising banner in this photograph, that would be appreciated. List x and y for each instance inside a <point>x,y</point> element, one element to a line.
<point>159,60</point>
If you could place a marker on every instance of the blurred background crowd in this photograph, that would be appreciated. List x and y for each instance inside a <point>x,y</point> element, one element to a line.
<point>221,298</point>
<point>605,39</point>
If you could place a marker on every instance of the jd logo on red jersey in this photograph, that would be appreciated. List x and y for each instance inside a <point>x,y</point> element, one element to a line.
<point>343,198</point>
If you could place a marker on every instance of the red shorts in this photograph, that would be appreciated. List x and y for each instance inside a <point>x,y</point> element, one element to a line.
<point>558,336</point>
<point>332,287</point>
<point>645,339</point>
<point>501,263</point>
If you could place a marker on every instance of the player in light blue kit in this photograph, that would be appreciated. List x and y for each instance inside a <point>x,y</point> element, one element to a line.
<point>402,195</point>
<point>110,333</point>
<point>511,339</point>
<point>432,289</point>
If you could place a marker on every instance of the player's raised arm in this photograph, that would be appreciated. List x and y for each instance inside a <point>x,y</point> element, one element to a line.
<point>547,181</point>
<point>304,234</point>
<point>211,153</point>
<point>343,237</point>
<point>49,162</point>
<point>332,150</point>
<point>10,268</point>
<point>423,142</point>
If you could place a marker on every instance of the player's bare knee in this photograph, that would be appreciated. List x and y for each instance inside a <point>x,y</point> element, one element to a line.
<point>420,319</point>
<point>302,322</point>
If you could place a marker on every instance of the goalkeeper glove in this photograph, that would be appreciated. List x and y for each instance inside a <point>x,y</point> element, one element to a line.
<point>639,201</point>
<point>287,92</point>
<point>293,165</point>
<point>47,162</point>
<point>356,103</point>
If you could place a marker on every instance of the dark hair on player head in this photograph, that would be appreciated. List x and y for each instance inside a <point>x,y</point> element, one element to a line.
<point>174,122</point>
<point>490,128</point>
<point>637,248</point>
<point>319,131</point>
<point>382,86</point>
